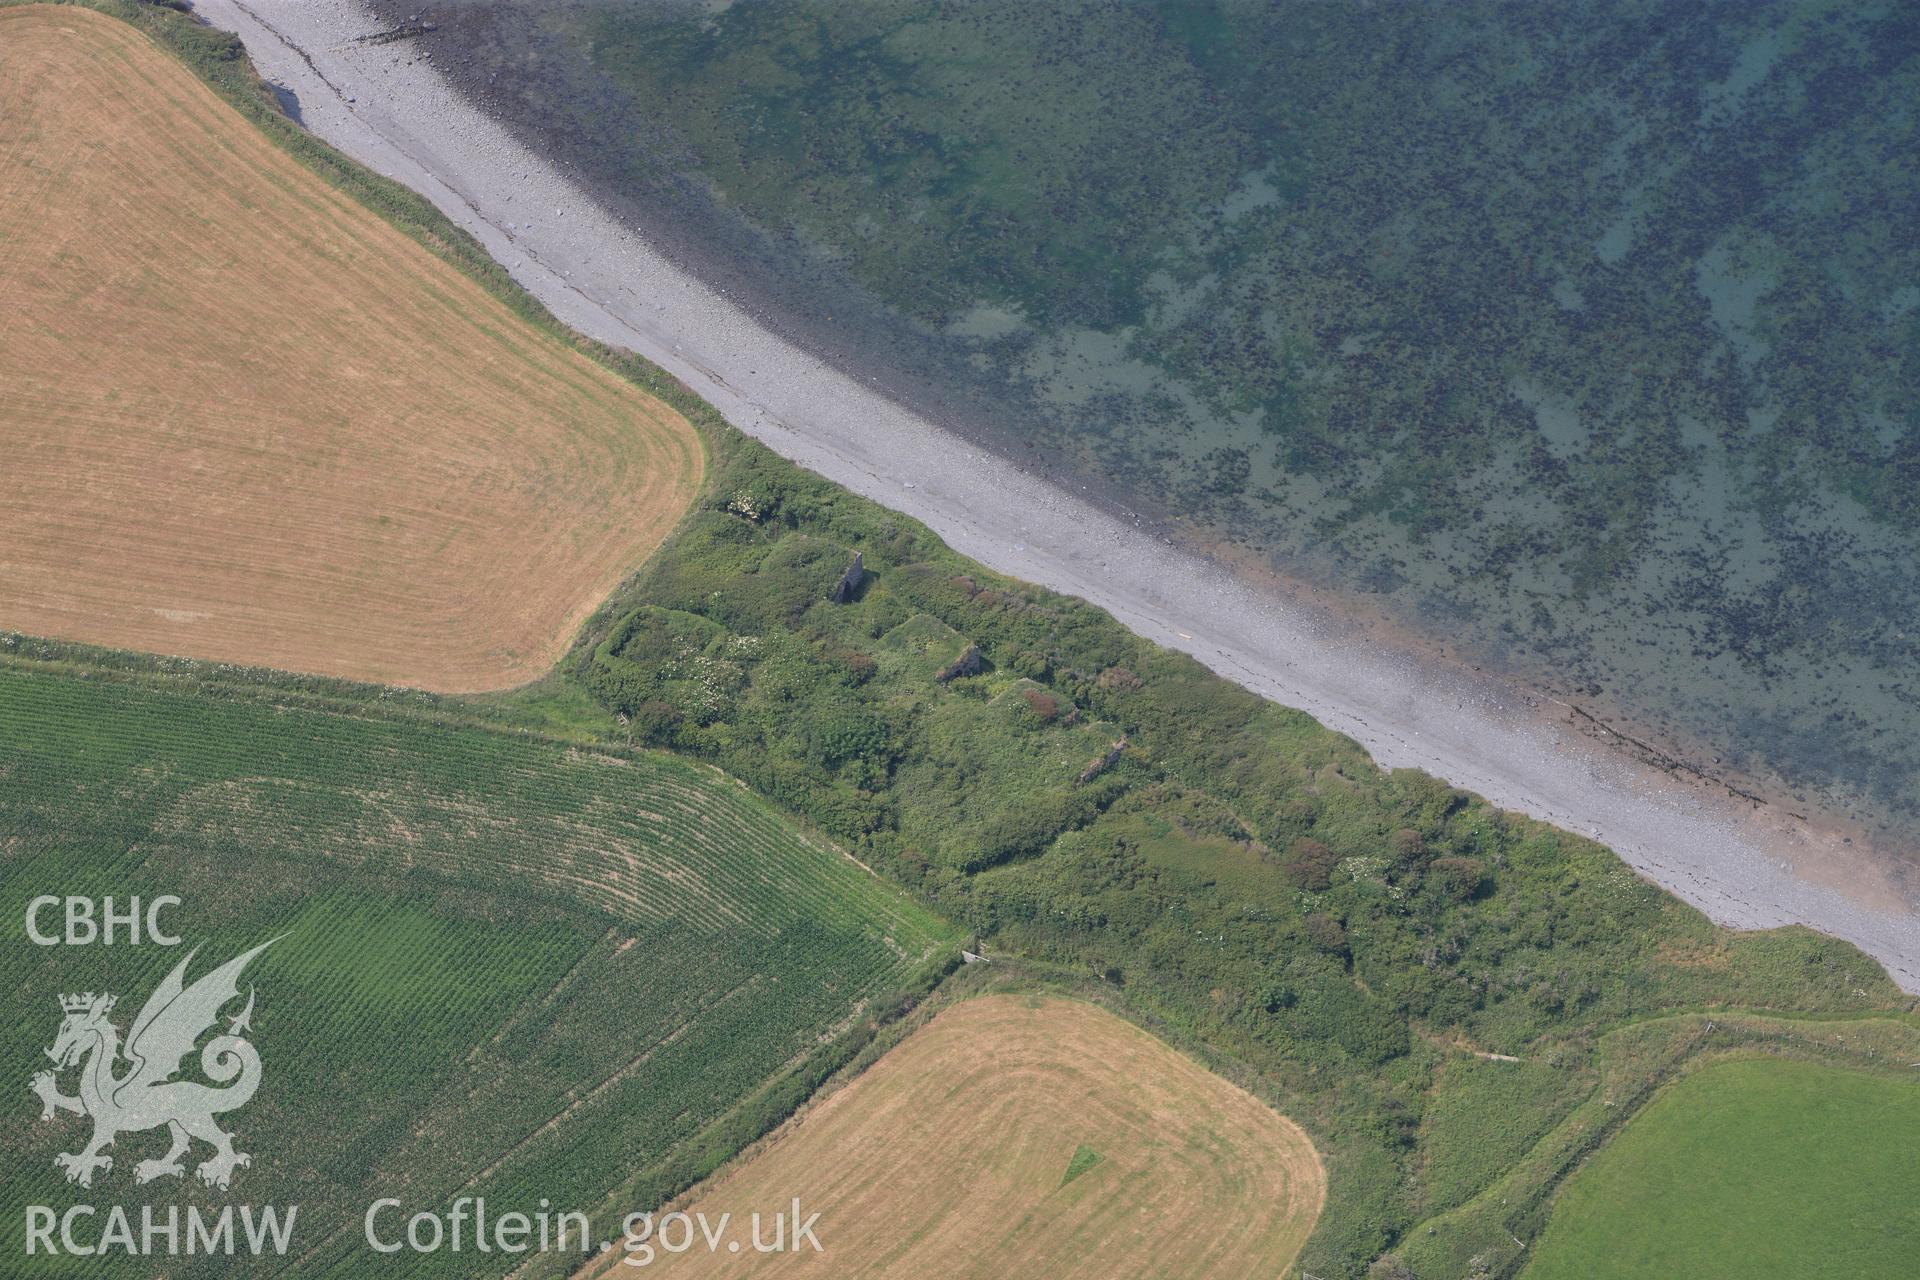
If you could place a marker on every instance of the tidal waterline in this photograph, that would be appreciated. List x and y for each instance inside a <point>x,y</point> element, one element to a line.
<point>1584,344</point>
<point>1747,866</point>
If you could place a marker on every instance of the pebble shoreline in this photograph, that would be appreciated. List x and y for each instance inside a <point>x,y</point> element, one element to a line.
<point>387,108</point>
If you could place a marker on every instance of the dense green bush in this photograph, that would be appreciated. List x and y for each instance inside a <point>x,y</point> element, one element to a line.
<point>1249,879</point>
<point>1345,984</point>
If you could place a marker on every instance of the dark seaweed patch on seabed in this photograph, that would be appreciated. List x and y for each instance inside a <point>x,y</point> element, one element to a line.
<point>1585,338</point>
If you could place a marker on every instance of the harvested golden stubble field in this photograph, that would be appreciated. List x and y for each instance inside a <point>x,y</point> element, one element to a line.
<point>244,418</point>
<point>1025,1136</point>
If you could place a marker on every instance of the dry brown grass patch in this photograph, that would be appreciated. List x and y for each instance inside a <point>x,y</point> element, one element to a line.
<point>244,418</point>
<point>948,1157</point>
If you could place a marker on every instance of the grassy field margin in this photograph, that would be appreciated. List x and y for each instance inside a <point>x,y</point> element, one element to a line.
<point>1360,1116</point>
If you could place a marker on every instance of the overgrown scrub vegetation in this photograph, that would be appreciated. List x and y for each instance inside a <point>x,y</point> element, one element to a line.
<point>1343,940</point>
<point>505,967</point>
<point>1244,876</point>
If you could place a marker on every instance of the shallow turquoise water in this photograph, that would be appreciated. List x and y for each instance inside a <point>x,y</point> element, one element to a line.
<point>1586,339</point>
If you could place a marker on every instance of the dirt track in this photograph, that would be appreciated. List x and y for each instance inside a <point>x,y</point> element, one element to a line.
<point>248,420</point>
<point>948,1159</point>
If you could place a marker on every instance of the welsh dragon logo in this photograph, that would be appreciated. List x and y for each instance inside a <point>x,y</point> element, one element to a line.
<point>144,1096</point>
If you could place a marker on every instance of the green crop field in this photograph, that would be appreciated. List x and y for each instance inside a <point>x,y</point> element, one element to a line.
<point>505,968</point>
<point>1750,1168</point>
<point>1236,873</point>
<point>520,956</point>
